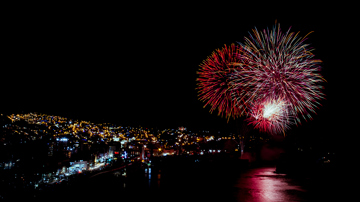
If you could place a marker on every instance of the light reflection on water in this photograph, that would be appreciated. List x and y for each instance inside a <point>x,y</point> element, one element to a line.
<point>262,184</point>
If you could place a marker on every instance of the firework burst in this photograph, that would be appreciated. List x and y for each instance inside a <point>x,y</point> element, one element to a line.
<point>271,115</point>
<point>214,82</point>
<point>280,66</point>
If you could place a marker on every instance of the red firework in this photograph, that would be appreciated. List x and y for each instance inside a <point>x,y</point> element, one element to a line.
<point>215,85</point>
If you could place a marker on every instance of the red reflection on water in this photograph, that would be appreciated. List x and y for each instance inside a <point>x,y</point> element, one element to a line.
<point>262,184</point>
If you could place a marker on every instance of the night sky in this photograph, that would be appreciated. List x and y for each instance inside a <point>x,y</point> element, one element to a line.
<point>136,64</point>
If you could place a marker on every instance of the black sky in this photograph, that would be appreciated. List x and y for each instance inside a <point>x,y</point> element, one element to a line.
<point>136,64</point>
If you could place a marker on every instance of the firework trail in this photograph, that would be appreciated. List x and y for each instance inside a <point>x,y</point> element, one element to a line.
<point>214,82</point>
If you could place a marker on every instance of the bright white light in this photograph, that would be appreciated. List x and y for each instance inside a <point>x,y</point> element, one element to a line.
<point>271,109</point>
<point>273,115</point>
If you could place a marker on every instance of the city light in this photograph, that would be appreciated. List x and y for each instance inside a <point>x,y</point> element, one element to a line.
<point>76,136</point>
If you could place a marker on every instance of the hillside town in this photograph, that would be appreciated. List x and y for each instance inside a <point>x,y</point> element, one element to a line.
<point>58,148</point>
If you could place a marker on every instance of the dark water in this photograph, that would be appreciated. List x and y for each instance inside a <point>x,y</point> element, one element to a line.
<point>202,183</point>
